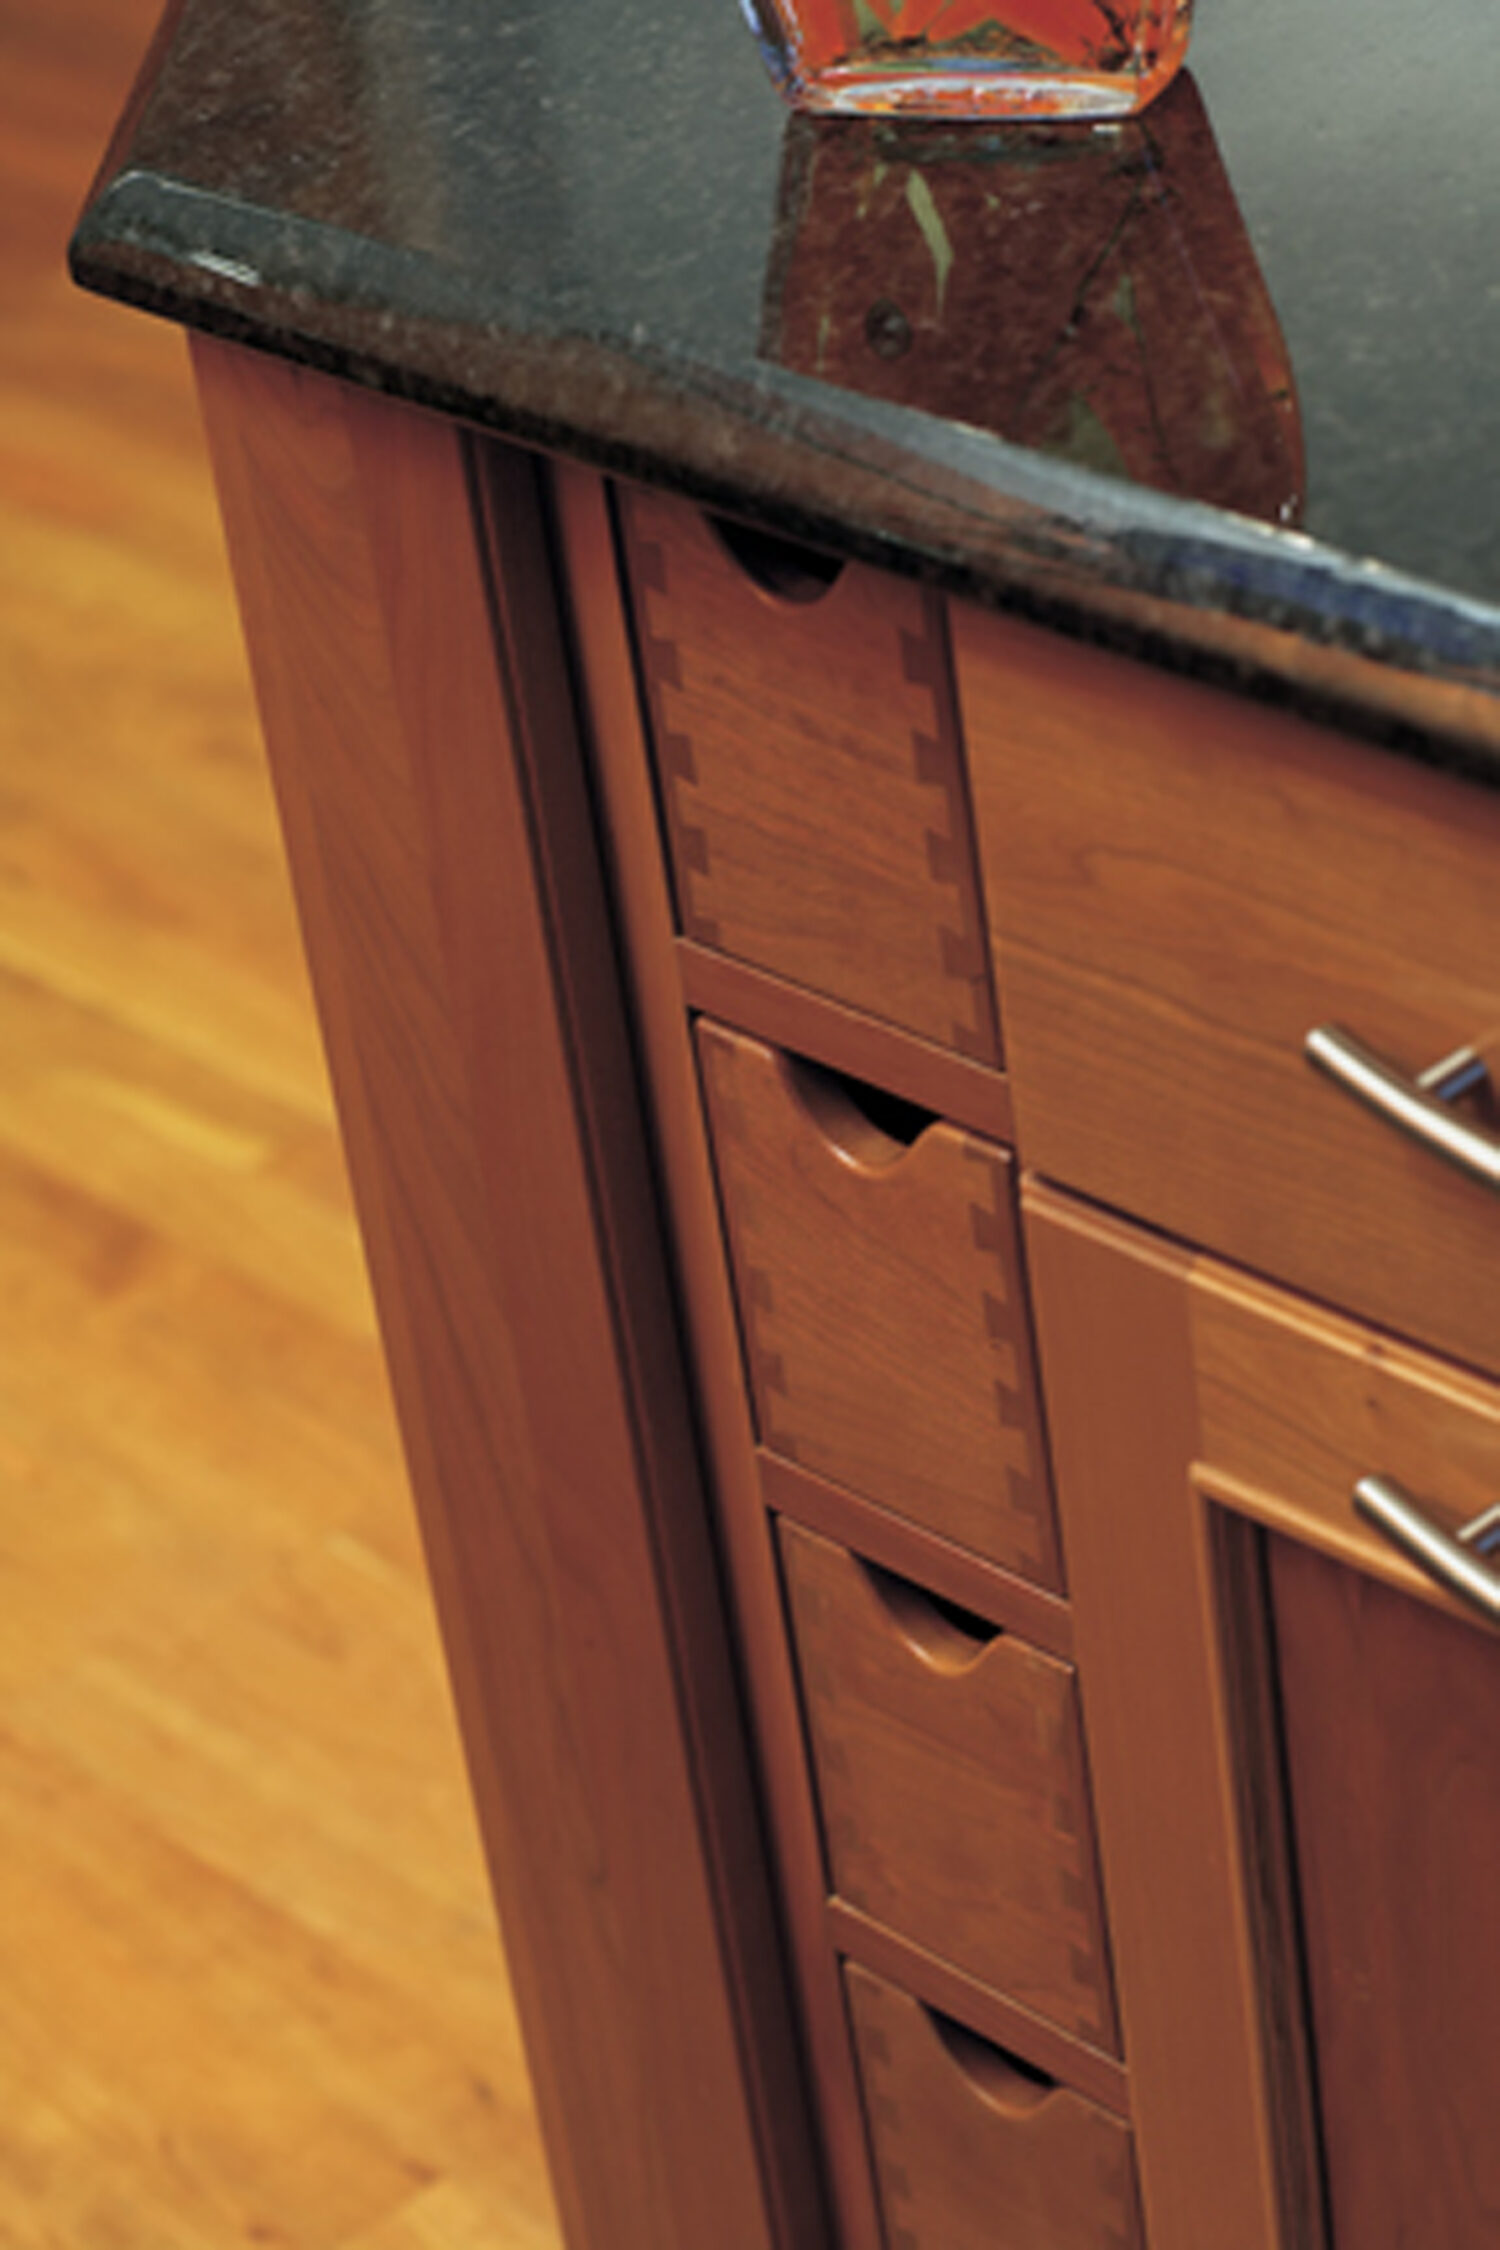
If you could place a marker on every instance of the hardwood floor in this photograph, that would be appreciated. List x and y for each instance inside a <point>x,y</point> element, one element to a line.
<point>250,1989</point>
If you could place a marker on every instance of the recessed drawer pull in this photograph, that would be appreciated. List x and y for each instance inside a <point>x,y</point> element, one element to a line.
<point>1447,1557</point>
<point>1013,2087</point>
<point>944,1636</point>
<point>866,1126</point>
<point>1417,1105</point>
<point>779,566</point>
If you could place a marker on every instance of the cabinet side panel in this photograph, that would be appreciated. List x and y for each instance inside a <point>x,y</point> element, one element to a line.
<point>446,964</point>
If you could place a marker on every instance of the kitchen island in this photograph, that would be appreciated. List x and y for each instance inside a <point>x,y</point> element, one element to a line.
<point>843,702</point>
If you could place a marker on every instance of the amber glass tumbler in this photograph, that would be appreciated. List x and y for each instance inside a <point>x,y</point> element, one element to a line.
<point>972,58</point>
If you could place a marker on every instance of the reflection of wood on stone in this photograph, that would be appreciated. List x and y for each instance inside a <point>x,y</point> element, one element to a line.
<point>1090,294</point>
<point>252,1983</point>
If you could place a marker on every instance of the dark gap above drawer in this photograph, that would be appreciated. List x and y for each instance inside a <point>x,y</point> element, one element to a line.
<point>807,1023</point>
<point>1044,2045</point>
<point>965,1579</point>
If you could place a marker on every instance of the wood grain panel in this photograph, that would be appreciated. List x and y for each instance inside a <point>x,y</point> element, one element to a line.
<point>1392,1716</point>
<point>416,709</point>
<point>883,1303</point>
<point>1181,885</point>
<point>953,1788</point>
<point>1115,1344</point>
<point>971,2150</point>
<point>1386,1692</point>
<point>811,778</point>
<point>1376,1685</point>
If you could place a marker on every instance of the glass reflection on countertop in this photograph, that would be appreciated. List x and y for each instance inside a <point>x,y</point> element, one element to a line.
<point>1086,290</point>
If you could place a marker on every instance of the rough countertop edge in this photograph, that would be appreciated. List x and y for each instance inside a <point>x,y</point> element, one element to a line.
<point>1277,615</point>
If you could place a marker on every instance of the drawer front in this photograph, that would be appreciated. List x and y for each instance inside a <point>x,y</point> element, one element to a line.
<point>810,777</point>
<point>881,1299</point>
<point>973,2152</point>
<point>1181,886</point>
<point>951,1779</point>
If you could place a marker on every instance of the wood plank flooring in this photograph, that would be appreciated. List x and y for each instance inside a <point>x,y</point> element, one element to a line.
<point>250,1989</point>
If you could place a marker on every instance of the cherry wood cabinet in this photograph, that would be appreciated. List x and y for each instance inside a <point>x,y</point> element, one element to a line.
<point>1293,1736</point>
<point>888,1323</point>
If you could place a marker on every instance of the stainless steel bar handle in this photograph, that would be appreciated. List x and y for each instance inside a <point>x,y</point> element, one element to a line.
<point>1417,1105</point>
<point>1449,1558</point>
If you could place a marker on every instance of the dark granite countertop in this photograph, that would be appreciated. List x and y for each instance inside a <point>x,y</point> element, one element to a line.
<point>1225,381</point>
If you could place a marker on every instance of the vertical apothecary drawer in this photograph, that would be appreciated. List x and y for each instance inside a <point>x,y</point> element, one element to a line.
<point>973,2151</point>
<point>807,757</point>
<point>951,1778</point>
<point>879,1282</point>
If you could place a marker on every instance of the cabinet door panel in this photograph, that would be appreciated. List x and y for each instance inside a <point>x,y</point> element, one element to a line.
<point>1290,1727</point>
<point>1391,1712</point>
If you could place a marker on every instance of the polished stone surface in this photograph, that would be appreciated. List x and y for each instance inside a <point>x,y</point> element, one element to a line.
<point>1073,371</point>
